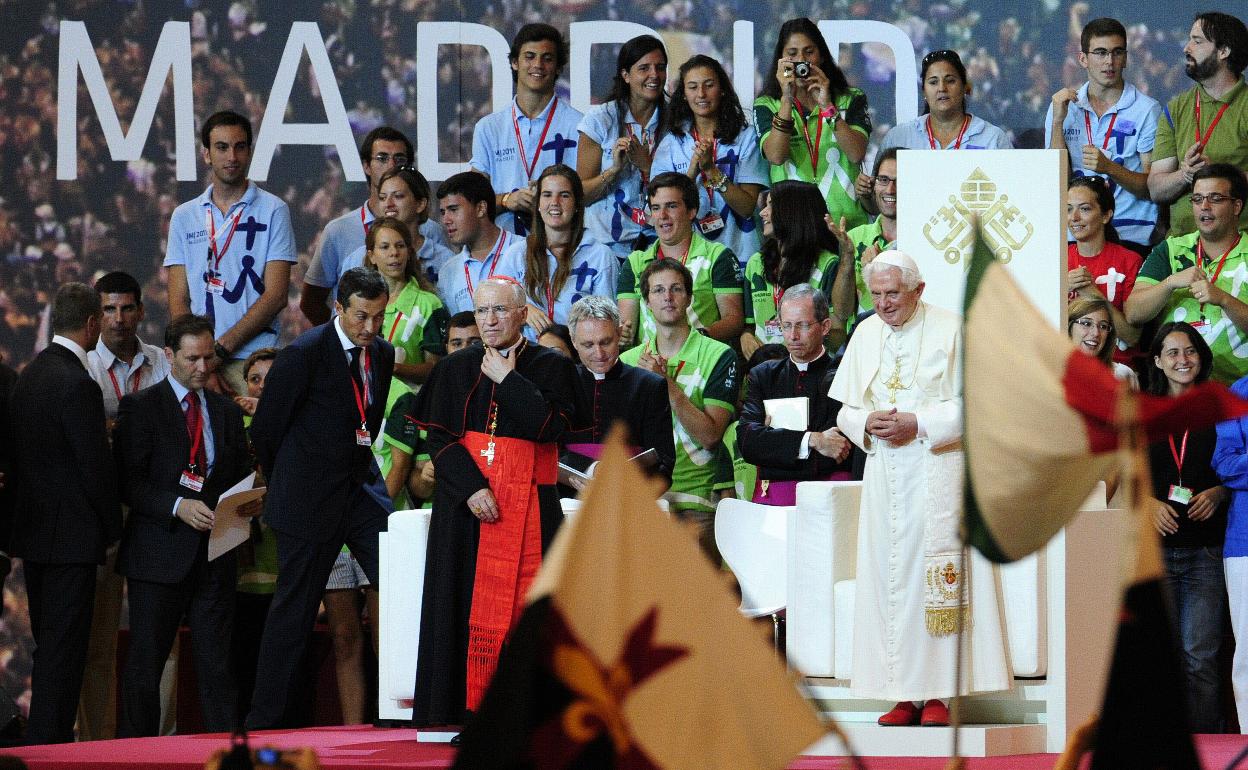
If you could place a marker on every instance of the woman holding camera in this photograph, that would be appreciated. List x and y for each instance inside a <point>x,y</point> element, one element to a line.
<point>815,127</point>
<point>713,145</point>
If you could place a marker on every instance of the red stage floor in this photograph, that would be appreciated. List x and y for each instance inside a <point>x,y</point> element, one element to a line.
<point>360,748</point>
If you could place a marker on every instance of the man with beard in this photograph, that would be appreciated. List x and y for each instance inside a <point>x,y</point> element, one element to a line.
<point>1208,123</point>
<point>494,415</point>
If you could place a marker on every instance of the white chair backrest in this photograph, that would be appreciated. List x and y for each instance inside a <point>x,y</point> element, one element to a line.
<point>753,539</point>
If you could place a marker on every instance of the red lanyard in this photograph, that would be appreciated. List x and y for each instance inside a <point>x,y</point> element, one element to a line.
<point>138,375</point>
<point>931,137</point>
<point>363,211</point>
<point>776,295</point>
<point>524,158</point>
<point>361,399</point>
<point>502,240</point>
<point>397,318</point>
<point>1200,258</point>
<point>213,253</point>
<point>1202,141</point>
<point>710,190</point>
<point>1179,454</point>
<point>1087,123</point>
<point>812,149</point>
<point>683,257</point>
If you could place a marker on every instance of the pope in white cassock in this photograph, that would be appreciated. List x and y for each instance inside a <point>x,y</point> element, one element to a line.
<point>901,386</point>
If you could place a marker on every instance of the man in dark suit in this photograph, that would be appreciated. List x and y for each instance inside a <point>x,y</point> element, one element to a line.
<point>614,391</point>
<point>783,456</point>
<point>178,448</point>
<point>323,404</point>
<point>66,511</point>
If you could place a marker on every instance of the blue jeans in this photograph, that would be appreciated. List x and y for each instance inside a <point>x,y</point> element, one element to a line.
<point>1194,575</point>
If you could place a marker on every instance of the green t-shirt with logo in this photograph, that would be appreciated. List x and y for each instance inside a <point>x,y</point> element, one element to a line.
<point>1228,343</point>
<point>864,237</point>
<point>744,475</point>
<point>836,173</point>
<point>399,403</point>
<point>715,271</point>
<point>706,370</point>
<point>761,312</point>
<point>416,322</point>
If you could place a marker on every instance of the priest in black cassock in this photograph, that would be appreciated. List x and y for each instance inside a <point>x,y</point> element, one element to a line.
<point>614,391</point>
<point>786,456</point>
<point>493,415</point>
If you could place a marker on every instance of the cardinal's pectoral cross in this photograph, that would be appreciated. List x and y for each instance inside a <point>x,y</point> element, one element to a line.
<point>894,383</point>
<point>488,454</point>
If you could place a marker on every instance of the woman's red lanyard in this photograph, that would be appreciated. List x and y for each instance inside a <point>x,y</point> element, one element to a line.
<point>398,317</point>
<point>1179,454</point>
<point>811,148</point>
<point>361,399</point>
<point>710,189</point>
<point>213,253</point>
<point>1202,263</point>
<point>931,137</point>
<point>138,375</point>
<point>524,158</point>
<point>1087,123</point>
<point>1202,141</point>
<point>502,239</point>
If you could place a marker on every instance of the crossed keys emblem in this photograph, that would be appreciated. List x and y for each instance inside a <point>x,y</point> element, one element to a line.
<point>1005,228</point>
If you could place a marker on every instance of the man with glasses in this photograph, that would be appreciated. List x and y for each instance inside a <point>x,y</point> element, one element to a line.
<point>786,453</point>
<point>1108,128</point>
<point>874,237</point>
<point>900,389</point>
<point>493,415</point>
<point>702,385</point>
<point>1207,123</point>
<point>1200,277</point>
<point>535,130</point>
<point>383,149</point>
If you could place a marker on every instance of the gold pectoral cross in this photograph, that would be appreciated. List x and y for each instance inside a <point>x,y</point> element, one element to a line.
<point>488,454</point>
<point>894,383</point>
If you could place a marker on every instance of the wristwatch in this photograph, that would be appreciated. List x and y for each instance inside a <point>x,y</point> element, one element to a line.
<point>221,352</point>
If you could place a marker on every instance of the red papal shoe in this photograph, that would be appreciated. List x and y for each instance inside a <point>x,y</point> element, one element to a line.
<point>904,714</point>
<point>935,714</point>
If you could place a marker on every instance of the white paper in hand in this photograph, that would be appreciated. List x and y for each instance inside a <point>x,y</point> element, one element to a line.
<point>231,530</point>
<point>788,413</point>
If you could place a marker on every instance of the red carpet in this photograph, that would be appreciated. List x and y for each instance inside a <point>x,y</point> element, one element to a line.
<point>360,748</point>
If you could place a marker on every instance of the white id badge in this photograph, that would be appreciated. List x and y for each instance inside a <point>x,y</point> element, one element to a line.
<point>362,437</point>
<point>191,481</point>
<point>711,224</point>
<point>216,286</point>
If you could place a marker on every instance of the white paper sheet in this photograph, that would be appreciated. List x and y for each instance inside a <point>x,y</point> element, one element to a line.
<point>229,529</point>
<point>788,413</point>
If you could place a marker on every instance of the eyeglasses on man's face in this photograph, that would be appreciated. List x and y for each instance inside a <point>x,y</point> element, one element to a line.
<point>399,158</point>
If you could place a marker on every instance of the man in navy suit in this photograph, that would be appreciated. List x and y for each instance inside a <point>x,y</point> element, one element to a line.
<point>178,447</point>
<point>66,511</point>
<point>323,404</point>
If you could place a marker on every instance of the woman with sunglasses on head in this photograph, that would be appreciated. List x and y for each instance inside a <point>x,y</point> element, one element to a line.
<point>946,124</point>
<point>617,144</point>
<point>1098,266</point>
<point>801,246</point>
<point>559,262</point>
<point>814,125</point>
<point>403,193</point>
<point>1190,511</point>
<point>711,142</point>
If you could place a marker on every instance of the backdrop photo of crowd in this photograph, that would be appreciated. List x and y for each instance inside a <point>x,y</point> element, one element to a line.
<point>115,214</point>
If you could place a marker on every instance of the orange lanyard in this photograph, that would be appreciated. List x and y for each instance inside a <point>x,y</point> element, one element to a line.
<point>811,148</point>
<point>1202,141</point>
<point>524,158</point>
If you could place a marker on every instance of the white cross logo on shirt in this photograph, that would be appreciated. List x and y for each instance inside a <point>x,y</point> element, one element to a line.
<point>1110,280</point>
